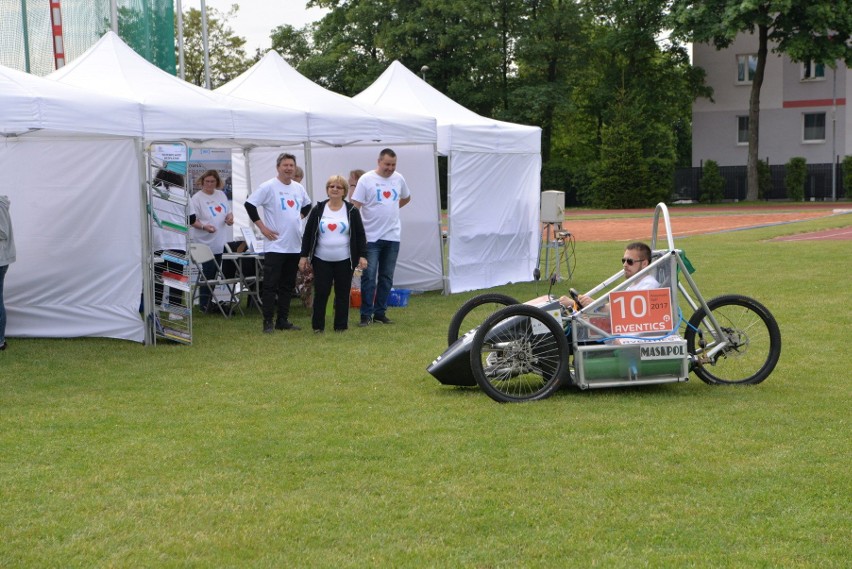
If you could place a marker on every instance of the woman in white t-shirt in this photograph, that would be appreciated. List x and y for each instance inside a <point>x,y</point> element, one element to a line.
<point>335,244</point>
<point>213,219</point>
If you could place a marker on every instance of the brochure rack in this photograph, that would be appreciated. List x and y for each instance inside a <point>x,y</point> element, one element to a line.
<point>169,313</point>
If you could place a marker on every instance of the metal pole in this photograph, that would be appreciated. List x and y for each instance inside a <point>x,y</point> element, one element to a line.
<point>113,16</point>
<point>834,135</point>
<point>26,36</point>
<point>181,72</point>
<point>204,46</point>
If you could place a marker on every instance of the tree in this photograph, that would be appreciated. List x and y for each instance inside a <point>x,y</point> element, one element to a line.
<point>293,45</point>
<point>623,177</point>
<point>549,56</point>
<point>805,30</point>
<point>227,55</point>
<point>465,45</point>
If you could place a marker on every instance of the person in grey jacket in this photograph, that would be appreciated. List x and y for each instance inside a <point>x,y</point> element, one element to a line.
<point>7,257</point>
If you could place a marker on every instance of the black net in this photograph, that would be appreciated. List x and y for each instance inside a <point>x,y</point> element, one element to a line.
<point>26,41</point>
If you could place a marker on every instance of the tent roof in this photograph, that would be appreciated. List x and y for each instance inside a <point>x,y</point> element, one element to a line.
<point>30,103</point>
<point>458,127</point>
<point>332,118</point>
<point>173,108</point>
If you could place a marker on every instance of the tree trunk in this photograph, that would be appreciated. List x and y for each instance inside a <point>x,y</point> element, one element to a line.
<point>753,185</point>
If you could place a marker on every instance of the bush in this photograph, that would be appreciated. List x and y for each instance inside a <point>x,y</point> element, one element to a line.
<point>559,175</point>
<point>796,175</point>
<point>712,183</point>
<point>764,180</point>
<point>847,175</point>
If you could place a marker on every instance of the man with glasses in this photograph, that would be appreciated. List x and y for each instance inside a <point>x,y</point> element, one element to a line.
<point>636,257</point>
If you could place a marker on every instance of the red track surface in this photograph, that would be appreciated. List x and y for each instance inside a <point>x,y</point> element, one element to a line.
<point>629,225</point>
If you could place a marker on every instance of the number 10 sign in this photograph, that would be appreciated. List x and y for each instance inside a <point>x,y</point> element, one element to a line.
<point>638,311</point>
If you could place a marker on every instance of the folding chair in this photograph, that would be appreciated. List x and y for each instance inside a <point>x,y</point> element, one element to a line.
<point>233,265</point>
<point>202,254</point>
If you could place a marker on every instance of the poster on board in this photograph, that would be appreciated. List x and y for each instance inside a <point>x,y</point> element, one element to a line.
<point>203,159</point>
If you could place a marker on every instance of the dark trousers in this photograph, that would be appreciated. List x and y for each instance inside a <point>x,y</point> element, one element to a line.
<point>209,269</point>
<point>326,275</point>
<point>279,281</point>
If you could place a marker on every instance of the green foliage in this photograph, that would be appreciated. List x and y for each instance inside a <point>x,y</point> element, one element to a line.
<point>227,56</point>
<point>712,183</point>
<point>796,175</point>
<point>847,175</point>
<point>562,176</point>
<point>764,179</point>
<point>292,44</point>
<point>292,450</point>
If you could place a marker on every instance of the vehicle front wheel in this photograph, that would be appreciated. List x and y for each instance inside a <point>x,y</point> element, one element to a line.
<point>520,353</point>
<point>749,338</point>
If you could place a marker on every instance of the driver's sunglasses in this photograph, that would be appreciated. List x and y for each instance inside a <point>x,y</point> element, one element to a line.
<point>631,261</point>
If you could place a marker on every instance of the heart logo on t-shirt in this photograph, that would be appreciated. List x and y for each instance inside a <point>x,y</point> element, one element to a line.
<point>290,203</point>
<point>218,209</point>
<point>332,226</point>
<point>386,194</point>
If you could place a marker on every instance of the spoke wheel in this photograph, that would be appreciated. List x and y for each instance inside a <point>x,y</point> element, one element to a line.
<point>749,334</point>
<point>474,312</point>
<point>519,353</point>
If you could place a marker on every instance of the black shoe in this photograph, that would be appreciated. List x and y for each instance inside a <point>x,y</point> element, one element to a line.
<point>382,318</point>
<point>3,346</point>
<point>285,325</point>
<point>318,331</point>
<point>267,327</point>
<point>365,321</point>
<point>340,329</point>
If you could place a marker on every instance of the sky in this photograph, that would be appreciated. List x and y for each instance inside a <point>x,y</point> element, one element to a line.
<point>257,18</point>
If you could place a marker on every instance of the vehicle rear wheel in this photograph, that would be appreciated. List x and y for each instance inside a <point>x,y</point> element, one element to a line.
<point>520,353</point>
<point>474,312</point>
<point>749,333</point>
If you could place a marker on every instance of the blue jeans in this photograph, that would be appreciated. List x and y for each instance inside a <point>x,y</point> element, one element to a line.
<point>3,270</point>
<point>377,278</point>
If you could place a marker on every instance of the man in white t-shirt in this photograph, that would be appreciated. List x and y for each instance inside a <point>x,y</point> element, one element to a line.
<point>285,202</point>
<point>379,195</point>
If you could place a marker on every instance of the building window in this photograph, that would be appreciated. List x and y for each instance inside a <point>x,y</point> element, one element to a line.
<point>814,127</point>
<point>742,130</point>
<point>812,70</point>
<point>746,66</point>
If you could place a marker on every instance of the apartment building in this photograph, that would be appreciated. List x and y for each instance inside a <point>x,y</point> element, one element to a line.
<point>803,109</point>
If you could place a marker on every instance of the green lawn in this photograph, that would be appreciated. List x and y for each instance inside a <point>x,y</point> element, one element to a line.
<point>294,450</point>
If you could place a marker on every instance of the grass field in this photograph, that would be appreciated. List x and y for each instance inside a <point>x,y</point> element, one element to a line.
<point>293,450</point>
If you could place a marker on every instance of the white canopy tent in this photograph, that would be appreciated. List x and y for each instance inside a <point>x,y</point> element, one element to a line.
<point>76,188</point>
<point>494,182</point>
<point>346,135</point>
<point>70,167</point>
<point>173,109</point>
